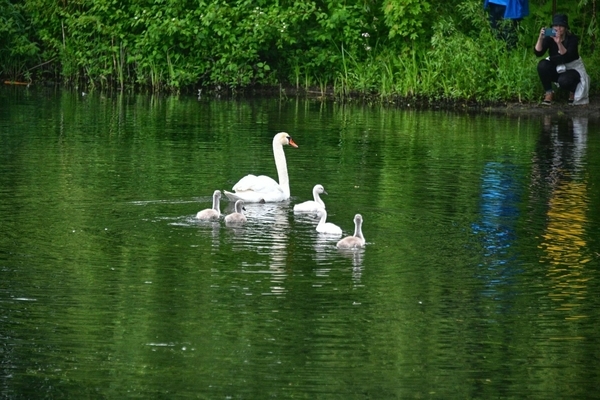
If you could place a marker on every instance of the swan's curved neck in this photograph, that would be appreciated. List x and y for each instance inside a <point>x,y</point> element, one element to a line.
<point>358,230</point>
<point>238,207</point>
<point>216,204</point>
<point>317,198</point>
<point>323,218</point>
<point>281,165</point>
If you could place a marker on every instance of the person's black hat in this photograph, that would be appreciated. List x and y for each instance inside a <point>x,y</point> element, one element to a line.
<point>560,20</point>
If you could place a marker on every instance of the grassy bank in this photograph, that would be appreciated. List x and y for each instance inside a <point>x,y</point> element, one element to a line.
<point>398,50</point>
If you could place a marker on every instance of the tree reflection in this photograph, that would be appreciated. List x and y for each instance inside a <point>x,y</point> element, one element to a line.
<point>560,162</point>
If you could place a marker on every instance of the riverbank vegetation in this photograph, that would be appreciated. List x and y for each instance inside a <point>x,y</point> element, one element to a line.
<point>392,49</point>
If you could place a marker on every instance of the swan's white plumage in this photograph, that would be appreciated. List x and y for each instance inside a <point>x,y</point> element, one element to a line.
<point>263,189</point>
<point>312,206</point>
<point>238,216</point>
<point>327,227</point>
<point>355,241</point>
<point>213,213</point>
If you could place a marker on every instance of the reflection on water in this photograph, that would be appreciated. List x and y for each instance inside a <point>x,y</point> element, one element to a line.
<point>564,245</point>
<point>482,235</point>
<point>499,214</point>
<point>272,239</point>
<point>266,233</point>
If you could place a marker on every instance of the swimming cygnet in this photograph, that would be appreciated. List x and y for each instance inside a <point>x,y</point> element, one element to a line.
<point>355,241</point>
<point>237,217</point>
<point>214,213</point>
<point>327,227</point>
<point>312,206</point>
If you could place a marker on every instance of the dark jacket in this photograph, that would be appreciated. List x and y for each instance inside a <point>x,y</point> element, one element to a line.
<point>571,43</point>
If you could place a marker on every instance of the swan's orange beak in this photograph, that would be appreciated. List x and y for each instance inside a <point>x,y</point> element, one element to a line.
<point>292,143</point>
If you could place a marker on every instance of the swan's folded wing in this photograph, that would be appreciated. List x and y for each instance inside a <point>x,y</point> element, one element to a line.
<point>309,206</point>
<point>250,196</point>
<point>255,183</point>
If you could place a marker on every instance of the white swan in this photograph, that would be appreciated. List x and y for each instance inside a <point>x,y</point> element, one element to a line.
<point>355,241</point>
<point>236,217</point>
<point>213,213</point>
<point>327,227</point>
<point>262,189</point>
<point>311,206</point>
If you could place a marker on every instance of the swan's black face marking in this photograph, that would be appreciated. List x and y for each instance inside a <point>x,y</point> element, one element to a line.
<point>291,141</point>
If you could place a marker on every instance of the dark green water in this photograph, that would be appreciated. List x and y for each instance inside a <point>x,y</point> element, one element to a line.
<point>480,278</point>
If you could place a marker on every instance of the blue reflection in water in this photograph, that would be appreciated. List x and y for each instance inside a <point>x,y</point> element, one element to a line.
<point>499,212</point>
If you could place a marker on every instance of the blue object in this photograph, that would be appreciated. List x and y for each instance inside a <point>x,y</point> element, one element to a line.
<point>515,9</point>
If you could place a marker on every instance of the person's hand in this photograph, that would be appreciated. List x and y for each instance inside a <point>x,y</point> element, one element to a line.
<point>556,39</point>
<point>542,33</point>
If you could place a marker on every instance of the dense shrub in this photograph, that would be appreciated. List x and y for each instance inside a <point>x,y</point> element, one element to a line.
<point>406,48</point>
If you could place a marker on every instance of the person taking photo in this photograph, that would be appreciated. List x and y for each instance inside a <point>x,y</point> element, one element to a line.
<point>563,65</point>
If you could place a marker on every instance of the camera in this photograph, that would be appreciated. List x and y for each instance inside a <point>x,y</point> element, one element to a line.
<point>549,32</point>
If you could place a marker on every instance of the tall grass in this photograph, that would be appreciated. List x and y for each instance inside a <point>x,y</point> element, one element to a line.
<point>458,66</point>
<point>409,76</point>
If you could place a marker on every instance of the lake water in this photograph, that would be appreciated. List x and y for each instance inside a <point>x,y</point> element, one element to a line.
<point>480,277</point>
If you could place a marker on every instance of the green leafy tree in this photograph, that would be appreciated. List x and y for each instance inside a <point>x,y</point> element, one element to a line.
<point>18,50</point>
<point>348,47</point>
<point>407,18</point>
